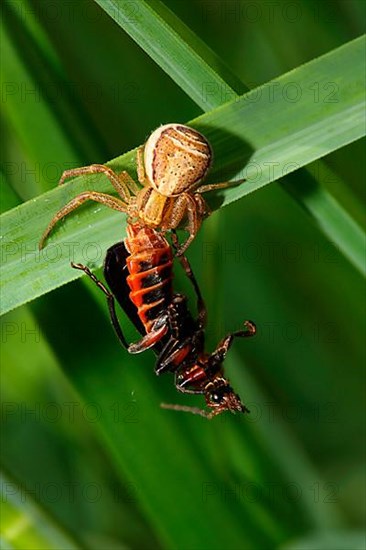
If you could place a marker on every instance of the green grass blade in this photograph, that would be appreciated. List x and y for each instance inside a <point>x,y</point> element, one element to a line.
<point>43,62</point>
<point>329,540</point>
<point>52,128</point>
<point>177,50</point>
<point>30,369</point>
<point>136,444</point>
<point>31,117</point>
<point>8,197</point>
<point>333,219</point>
<point>206,79</point>
<point>150,445</point>
<point>24,525</point>
<point>296,463</point>
<point>244,144</point>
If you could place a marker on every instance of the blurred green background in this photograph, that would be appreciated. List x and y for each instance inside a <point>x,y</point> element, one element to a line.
<point>89,458</point>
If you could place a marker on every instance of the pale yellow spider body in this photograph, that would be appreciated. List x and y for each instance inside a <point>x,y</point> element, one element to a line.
<point>170,167</point>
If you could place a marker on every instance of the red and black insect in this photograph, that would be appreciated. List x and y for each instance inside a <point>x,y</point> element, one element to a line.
<point>139,273</point>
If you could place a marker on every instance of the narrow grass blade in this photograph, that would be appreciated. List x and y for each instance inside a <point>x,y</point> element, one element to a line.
<point>31,117</point>
<point>333,220</point>
<point>177,50</point>
<point>295,463</point>
<point>42,61</point>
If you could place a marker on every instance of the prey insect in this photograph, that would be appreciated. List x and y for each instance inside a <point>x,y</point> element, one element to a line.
<point>170,168</point>
<point>163,318</point>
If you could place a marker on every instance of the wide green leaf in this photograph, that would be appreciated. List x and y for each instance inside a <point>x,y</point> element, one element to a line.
<point>260,140</point>
<point>143,439</point>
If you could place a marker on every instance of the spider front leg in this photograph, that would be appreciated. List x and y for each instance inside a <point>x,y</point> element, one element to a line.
<point>122,182</point>
<point>103,198</point>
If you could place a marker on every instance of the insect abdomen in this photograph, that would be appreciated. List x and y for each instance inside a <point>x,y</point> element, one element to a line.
<point>150,273</point>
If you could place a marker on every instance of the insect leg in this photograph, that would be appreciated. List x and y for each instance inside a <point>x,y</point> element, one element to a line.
<point>201,307</point>
<point>150,339</point>
<point>110,301</point>
<point>173,354</point>
<point>220,353</point>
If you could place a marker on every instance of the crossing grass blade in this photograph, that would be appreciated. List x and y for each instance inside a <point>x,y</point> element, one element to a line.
<point>210,83</point>
<point>177,50</point>
<point>257,140</point>
<point>333,220</point>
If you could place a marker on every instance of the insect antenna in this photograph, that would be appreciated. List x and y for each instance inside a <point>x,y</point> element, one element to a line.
<point>184,408</point>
